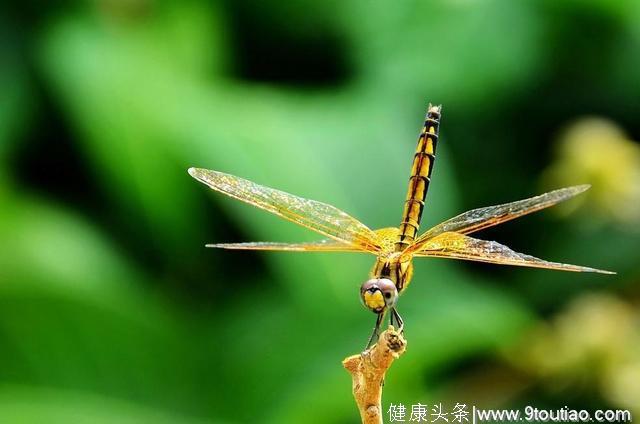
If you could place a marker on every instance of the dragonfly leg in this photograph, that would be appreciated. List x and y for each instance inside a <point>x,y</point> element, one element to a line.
<point>376,331</point>
<point>396,316</point>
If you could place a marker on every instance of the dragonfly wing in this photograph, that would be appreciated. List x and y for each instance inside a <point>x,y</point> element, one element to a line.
<point>459,246</point>
<point>478,219</point>
<point>318,246</point>
<point>320,217</point>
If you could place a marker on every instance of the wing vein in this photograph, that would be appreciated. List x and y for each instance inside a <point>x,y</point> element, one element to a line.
<point>481,218</point>
<point>458,246</point>
<point>317,216</point>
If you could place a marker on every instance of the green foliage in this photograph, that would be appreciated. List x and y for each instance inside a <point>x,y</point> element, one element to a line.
<point>111,310</point>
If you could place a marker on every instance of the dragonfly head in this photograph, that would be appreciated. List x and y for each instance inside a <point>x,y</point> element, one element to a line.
<point>378,294</point>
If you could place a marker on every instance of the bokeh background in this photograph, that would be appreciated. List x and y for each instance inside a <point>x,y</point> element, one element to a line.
<point>112,310</point>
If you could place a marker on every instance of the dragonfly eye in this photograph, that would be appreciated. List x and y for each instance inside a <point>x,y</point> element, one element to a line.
<point>378,294</point>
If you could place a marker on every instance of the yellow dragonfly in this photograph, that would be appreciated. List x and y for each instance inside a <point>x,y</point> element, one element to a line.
<point>395,247</point>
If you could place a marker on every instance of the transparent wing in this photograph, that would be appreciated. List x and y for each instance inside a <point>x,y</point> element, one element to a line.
<point>386,238</point>
<point>478,219</point>
<point>318,246</point>
<point>320,217</point>
<point>458,246</point>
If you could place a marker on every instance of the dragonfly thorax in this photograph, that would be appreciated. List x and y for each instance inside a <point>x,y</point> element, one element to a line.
<point>393,267</point>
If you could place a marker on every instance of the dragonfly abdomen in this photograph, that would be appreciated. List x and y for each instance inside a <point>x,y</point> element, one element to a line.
<point>420,177</point>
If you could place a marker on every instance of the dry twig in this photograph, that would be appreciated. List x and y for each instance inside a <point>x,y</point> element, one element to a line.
<point>368,370</point>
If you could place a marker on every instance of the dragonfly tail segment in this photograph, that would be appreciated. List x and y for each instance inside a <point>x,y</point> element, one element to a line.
<point>420,177</point>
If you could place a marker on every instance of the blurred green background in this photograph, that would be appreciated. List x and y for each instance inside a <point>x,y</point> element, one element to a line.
<point>112,310</point>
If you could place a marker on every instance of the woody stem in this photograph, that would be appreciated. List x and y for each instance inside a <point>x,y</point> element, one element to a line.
<point>368,370</point>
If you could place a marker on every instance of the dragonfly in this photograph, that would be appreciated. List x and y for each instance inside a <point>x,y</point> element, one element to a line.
<point>394,247</point>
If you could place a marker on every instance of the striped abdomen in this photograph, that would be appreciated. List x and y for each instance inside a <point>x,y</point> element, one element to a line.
<point>419,179</point>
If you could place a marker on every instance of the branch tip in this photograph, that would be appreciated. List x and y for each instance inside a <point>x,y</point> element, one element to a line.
<point>368,370</point>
